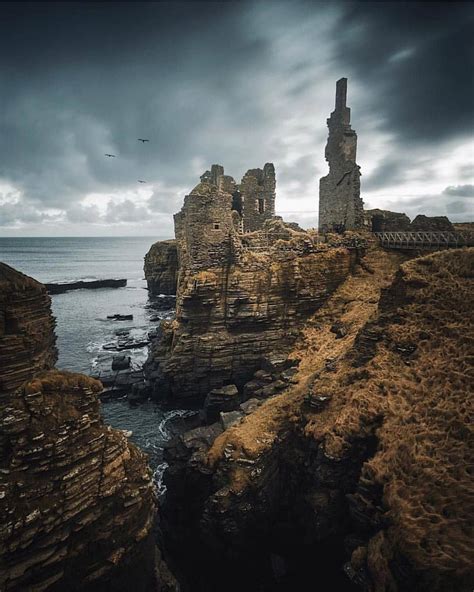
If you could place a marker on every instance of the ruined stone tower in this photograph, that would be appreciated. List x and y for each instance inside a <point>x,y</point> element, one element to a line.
<point>253,201</point>
<point>258,197</point>
<point>204,227</point>
<point>340,205</point>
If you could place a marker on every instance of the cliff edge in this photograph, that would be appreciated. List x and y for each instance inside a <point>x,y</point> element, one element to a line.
<point>77,499</point>
<point>363,462</point>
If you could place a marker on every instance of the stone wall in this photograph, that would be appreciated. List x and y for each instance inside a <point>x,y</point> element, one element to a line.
<point>258,197</point>
<point>204,229</point>
<point>253,199</point>
<point>340,204</point>
<point>431,223</point>
<point>384,221</point>
<point>77,499</point>
<point>161,267</point>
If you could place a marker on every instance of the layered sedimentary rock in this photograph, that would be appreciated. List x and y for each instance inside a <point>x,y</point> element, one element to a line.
<point>340,205</point>
<point>239,297</point>
<point>161,267</point>
<point>77,500</point>
<point>363,461</point>
<point>27,339</point>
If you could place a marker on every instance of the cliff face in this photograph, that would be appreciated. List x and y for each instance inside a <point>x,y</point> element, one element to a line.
<point>161,267</point>
<point>27,339</point>
<point>246,305</point>
<point>77,500</point>
<point>362,460</point>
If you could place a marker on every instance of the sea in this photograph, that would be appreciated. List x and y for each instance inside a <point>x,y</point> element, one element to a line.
<point>82,327</point>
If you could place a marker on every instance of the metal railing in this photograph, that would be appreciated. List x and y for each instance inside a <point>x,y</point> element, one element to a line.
<point>425,240</point>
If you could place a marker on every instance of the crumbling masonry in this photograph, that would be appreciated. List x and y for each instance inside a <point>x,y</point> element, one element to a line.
<point>340,205</point>
<point>253,200</point>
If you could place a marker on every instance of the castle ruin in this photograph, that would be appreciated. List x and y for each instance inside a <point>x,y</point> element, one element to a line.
<point>253,200</point>
<point>340,205</point>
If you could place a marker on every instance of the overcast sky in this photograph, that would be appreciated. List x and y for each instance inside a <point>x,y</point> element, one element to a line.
<point>234,83</point>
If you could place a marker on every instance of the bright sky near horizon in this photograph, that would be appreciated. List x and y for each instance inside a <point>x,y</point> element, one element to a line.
<point>234,83</point>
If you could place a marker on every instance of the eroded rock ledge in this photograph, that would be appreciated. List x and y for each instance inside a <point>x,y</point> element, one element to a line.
<point>161,268</point>
<point>76,497</point>
<point>362,462</point>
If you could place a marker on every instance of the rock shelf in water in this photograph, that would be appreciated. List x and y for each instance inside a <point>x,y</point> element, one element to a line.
<point>61,288</point>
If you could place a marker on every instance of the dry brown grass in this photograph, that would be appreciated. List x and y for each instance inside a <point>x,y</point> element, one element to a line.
<point>353,302</point>
<point>417,405</point>
<point>420,410</point>
<point>60,380</point>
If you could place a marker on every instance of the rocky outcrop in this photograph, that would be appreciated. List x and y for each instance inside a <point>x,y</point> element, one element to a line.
<point>340,205</point>
<point>363,460</point>
<point>27,339</point>
<point>161,268</point>
<point>90,285</point>
<point>77,499</point>
<point>240,298</point>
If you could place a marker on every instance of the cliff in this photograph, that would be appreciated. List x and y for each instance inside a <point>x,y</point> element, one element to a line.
<point>240,297</point>
<point>27,339</point>
<point>161,267</point>
<point>363,459</point>
<point>77,499</point>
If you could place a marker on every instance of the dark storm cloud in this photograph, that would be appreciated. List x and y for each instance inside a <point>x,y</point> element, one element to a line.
<point>460,190</point>
<point>389,172</point>
<point>84,80</point>
<point>416,62</point>
<point>216,82</point>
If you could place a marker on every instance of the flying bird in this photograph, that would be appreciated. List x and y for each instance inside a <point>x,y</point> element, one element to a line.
<point>142,140</point>
<point>141,181</point>
<point>110,155</point>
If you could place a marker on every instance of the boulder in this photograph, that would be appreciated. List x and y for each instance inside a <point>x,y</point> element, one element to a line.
<point>226,398</point>
<point>120,362</point>
<point>230,418</point>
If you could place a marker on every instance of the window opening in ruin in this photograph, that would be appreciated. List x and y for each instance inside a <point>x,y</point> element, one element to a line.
<point>237,202</point>
<point>216,226</point>
<point>261,205</point>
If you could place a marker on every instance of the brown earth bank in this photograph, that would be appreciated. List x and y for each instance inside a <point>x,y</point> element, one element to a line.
<point>77,502</point>
<point>361,464</point>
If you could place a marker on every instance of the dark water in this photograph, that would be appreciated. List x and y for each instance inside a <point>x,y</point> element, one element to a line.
<point>82,328</point>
